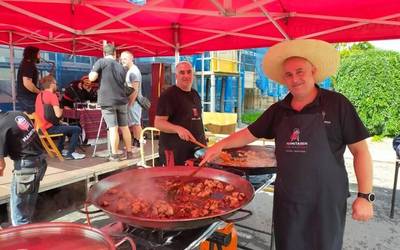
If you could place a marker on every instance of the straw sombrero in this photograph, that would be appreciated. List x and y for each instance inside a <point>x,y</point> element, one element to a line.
<point>321,54</point>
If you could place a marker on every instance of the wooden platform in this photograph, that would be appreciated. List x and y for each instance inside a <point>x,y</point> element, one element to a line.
<point>59,173</point>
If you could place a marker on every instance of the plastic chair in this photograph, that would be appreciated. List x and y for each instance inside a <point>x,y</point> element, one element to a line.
<point>46,138</point>
<point>396,175</point>
<point>142,152</point>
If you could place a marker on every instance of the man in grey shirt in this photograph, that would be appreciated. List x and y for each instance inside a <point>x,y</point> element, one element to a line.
<point>113,100</point>
<point>133,80</point>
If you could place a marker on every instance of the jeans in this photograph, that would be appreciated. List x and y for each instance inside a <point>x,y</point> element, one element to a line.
<point>22,204</point>
<point>72,132</point>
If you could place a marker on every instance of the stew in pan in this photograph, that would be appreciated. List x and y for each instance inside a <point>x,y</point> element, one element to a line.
<point>191,198</point>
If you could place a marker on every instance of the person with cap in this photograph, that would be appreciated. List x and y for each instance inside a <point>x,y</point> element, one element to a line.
<point>113,100</point>
<point>79,91</point>
<point>178,117</point>
<point>27,79</point>
<point>311,128</point>
<point>19,141</point>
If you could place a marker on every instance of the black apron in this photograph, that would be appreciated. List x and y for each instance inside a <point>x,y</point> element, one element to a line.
<point>311,187</point>
<point>192,121</point>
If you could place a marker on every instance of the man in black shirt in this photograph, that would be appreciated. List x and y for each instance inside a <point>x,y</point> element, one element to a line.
<point>27,79</point>
<point>113,100</point>
<point>79,91</point>
<point>311,128</point>
<point>19,141</point>
<point>179,117</point>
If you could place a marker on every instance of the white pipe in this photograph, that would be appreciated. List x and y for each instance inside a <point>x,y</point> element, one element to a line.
<point>212,93</point>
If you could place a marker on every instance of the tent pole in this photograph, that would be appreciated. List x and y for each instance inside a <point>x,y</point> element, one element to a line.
<point>239,100</point>
<point>202,77</point>
<point>12,70</point>
<point>176,56</point>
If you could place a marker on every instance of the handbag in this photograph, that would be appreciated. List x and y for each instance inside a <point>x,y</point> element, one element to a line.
<point>143,102</point>
<point>49,113</point>
<point>128,90</point>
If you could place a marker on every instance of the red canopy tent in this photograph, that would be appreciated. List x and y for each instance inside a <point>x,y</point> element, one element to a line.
<point>162,28</point>
<point>165,28</point>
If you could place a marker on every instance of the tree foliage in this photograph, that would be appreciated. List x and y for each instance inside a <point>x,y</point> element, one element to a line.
<point>370,78</point>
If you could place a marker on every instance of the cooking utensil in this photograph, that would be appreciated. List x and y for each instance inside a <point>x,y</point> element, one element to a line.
<point>199,143</point>
<point>265,163</point>
<point>57,235</point>
<point>139,181</point>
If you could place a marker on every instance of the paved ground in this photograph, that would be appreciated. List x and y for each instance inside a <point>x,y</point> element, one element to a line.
<point>381,233</point>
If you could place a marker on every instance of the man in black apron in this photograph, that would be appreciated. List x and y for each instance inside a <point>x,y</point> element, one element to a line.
<point>311,128</point>
<point>179,117</point>
<point>19,141</point>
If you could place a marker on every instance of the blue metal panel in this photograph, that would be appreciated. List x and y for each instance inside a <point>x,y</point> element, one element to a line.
<point>229,98</point>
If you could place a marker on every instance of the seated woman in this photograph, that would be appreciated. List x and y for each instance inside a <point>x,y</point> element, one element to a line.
<point>79,91</point>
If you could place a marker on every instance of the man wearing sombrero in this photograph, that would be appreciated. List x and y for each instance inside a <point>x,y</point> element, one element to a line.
<point>311,128</point>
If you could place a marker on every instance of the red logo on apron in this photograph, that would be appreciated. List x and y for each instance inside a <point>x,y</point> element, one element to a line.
<point>22,123</point>
<point>295,136</point>
<point>195,113</point>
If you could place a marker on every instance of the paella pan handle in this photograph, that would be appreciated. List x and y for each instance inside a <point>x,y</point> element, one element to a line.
<point>248,214</point>
<point>169,158</point>
<point>126,238</point>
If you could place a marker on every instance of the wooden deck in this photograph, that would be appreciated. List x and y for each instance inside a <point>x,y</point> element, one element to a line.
<point>60,173</point>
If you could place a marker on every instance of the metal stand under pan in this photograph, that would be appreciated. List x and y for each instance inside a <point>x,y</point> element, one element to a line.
<point>153,239</point>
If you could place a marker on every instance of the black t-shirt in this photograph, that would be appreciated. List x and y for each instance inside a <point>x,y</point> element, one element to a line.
<point>112,91</point>
<point>342,123</point>
<point>26,69</point>
<point>74,94</point>
<point>184,109</point>
<point>18,138</point>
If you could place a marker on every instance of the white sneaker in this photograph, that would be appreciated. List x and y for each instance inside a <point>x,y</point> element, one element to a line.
<point>78,156</point>
<point>135,149</point>
<point>64,152</point>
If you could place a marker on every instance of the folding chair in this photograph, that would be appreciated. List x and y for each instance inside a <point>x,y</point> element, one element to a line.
<point>142,153</point>
<point>46,138</point>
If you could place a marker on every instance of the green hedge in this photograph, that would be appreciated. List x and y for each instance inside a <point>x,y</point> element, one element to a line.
<point>250,117</point>
<point>371,80</point>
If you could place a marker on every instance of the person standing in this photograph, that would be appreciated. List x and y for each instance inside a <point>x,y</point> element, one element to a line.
<point>311,128</point>
<point>179,117</point>
<point>113,100</point>
<point>27,79</point>
<point>19,141</point>
<point>134,80</point>
<point>79,91</point>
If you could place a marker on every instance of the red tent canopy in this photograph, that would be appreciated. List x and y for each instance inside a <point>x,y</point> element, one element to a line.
<point>161,28</point>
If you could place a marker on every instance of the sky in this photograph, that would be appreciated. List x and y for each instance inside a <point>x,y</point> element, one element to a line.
<point>387,44</point>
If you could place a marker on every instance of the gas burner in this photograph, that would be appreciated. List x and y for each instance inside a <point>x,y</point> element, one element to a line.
<point>154,239</point>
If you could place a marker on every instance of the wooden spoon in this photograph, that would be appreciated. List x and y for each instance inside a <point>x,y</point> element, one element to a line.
<point>172,192</point>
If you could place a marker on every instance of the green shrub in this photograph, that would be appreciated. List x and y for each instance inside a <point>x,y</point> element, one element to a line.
<point>250,117</point>
<point>371,81</point>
